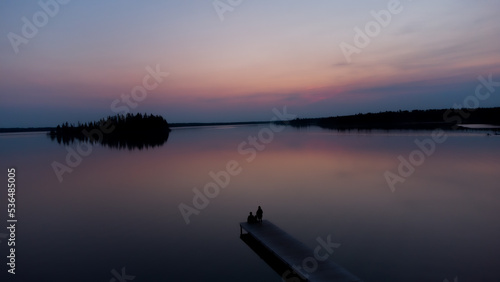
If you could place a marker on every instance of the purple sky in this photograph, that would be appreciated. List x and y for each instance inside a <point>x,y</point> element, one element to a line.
<point>237,60</point>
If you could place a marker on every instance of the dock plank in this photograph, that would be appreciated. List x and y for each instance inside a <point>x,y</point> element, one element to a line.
<point>293,252</point>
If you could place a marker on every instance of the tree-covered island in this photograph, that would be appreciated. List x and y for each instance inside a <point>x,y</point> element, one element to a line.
<point>119,131</point>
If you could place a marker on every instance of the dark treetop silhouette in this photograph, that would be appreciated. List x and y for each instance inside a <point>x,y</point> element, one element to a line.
<point>120,131</point>
<point>416,119</point>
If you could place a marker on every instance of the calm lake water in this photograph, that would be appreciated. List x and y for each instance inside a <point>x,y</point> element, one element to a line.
<point>120,208</point>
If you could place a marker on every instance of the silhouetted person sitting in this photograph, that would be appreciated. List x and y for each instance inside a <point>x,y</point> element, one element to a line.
<point>259,215</point>
<point>251,218</point>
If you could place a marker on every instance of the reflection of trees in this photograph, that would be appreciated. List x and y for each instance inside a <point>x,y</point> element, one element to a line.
<point>122,132</point>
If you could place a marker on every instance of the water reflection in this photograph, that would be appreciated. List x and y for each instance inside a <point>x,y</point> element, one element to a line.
<point>139,131</point>
<point>120,208</point>
<point>130,142</point>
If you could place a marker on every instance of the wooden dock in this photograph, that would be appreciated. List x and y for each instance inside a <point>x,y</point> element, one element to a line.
<point>295,254</point>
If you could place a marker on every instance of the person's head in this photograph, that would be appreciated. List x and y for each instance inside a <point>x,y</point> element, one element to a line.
<point>259,207</point>
<point>250,213</point>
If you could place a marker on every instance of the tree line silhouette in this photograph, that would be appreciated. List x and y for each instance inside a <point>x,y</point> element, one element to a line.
<point>416,119</point>
<point>129,131</point>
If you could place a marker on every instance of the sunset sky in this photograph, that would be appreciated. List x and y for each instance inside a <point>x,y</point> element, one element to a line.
<point>239,62</point>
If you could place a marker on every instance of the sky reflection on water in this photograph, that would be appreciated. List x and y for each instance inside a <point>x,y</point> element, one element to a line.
<point>119,208</point>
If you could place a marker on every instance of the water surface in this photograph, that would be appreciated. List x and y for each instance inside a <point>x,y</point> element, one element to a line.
<point>120,208</point>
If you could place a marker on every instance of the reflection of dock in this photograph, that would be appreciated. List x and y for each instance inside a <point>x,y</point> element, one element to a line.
<point>294,254</point>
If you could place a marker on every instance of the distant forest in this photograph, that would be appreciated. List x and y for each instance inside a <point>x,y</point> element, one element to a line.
<point>120,131</point>
<point>416,119</point>
<point>141,127</point>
